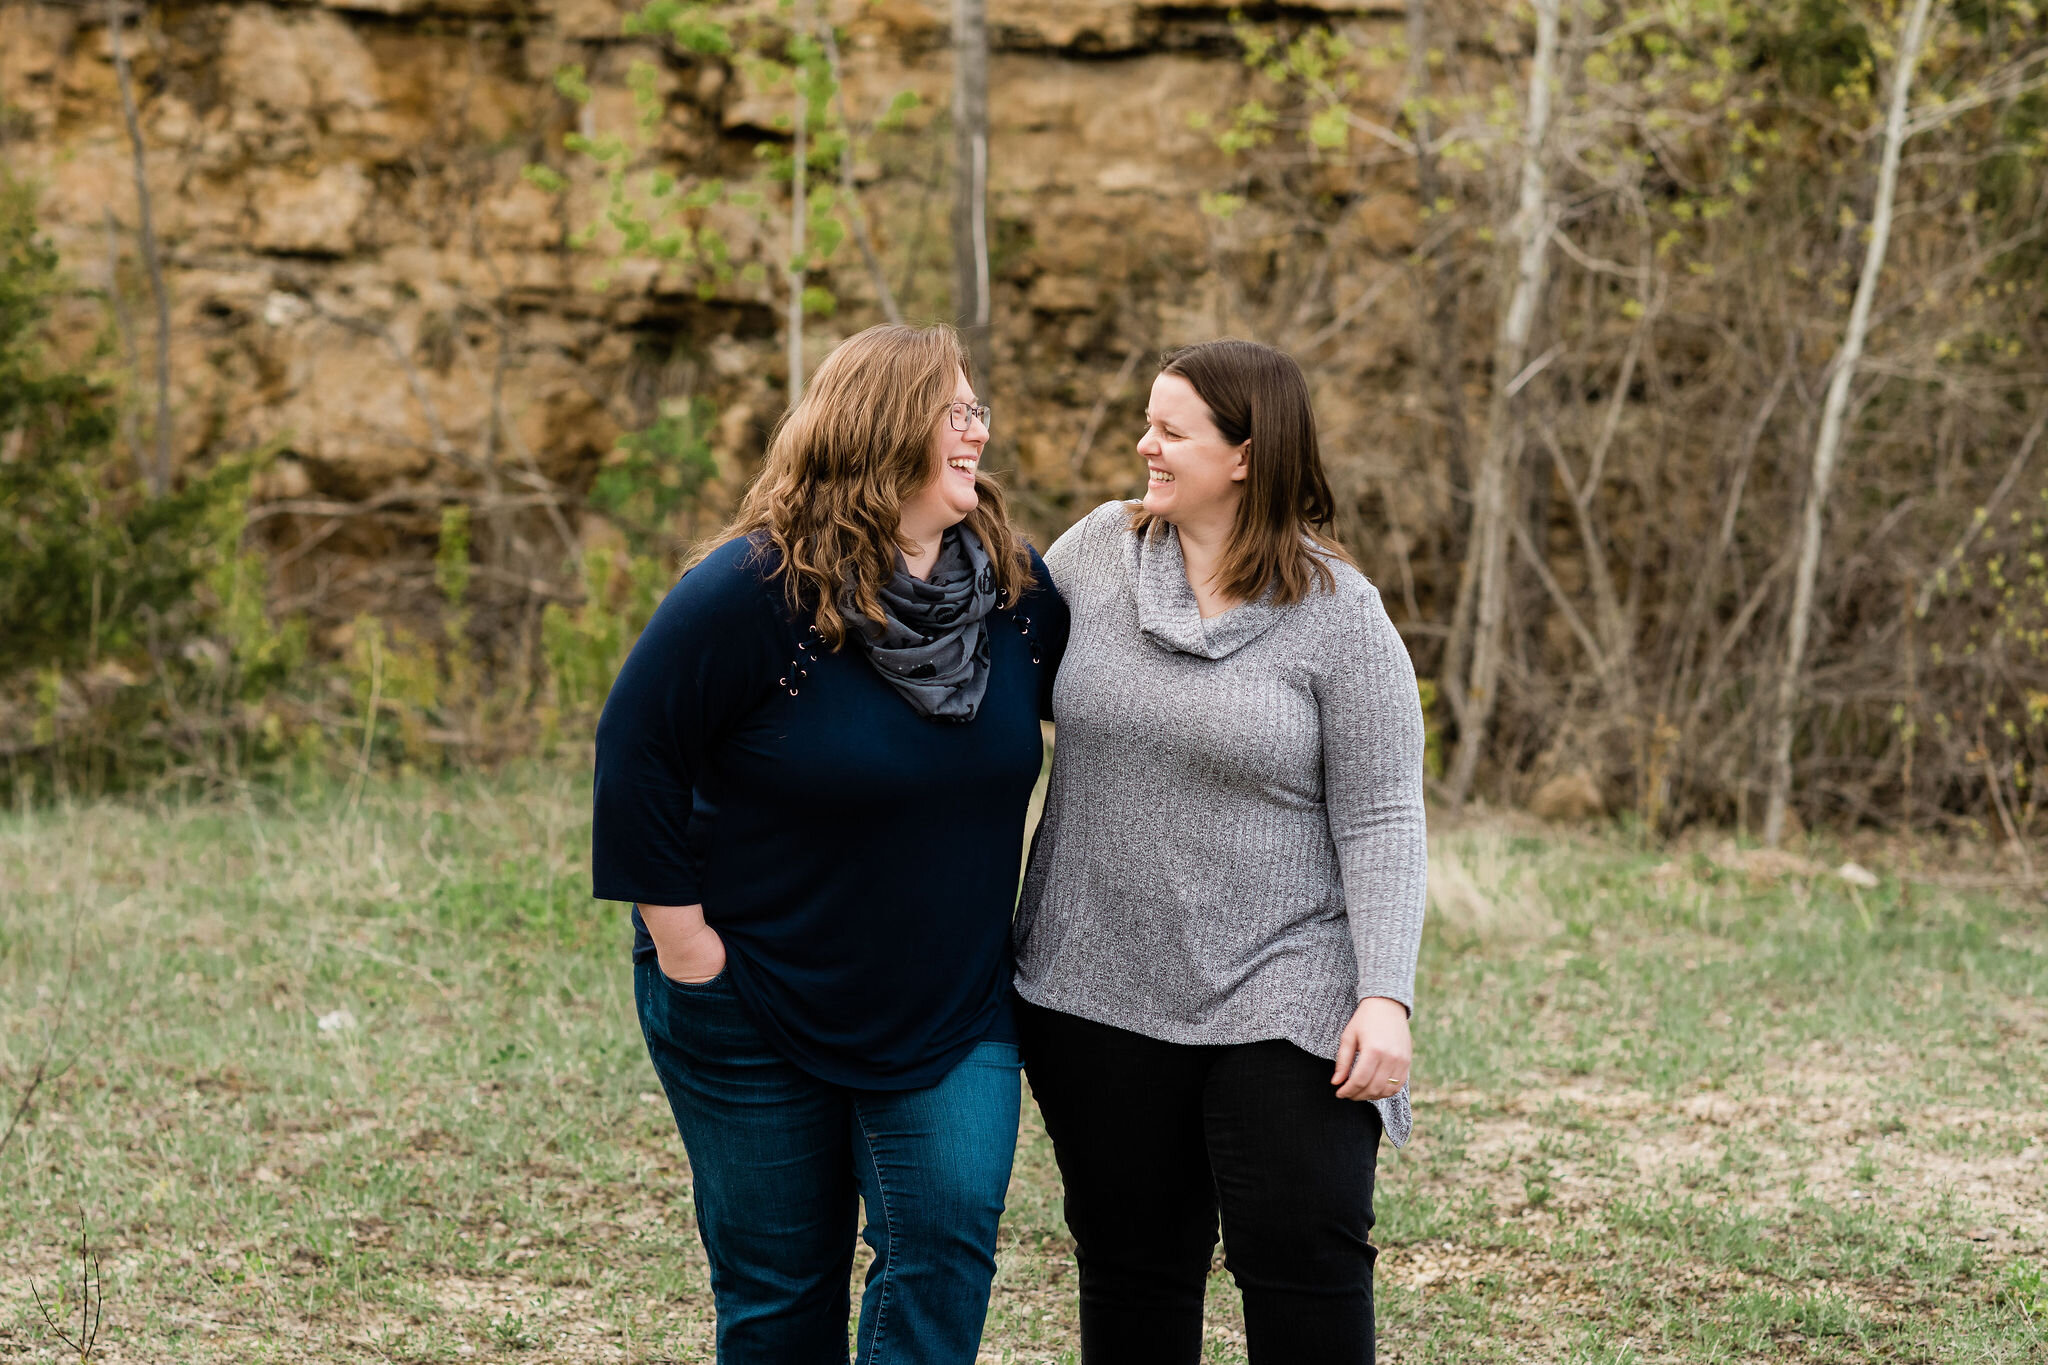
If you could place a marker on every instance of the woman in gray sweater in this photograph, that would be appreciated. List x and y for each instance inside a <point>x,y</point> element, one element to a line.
<point>1217,939</point>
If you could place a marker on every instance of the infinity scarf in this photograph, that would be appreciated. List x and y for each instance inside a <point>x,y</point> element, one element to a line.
<point>931,644</point>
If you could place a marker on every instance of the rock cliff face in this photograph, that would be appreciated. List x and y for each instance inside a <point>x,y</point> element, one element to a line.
<point>360,276</point>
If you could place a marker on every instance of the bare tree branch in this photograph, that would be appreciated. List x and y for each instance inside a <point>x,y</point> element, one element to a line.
<point>1109,394</point>
<point>160,481</point>
<point>856,212</point>
<point>1925,597</point>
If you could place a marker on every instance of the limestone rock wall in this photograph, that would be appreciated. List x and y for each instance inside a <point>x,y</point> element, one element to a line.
<point>361,278</point>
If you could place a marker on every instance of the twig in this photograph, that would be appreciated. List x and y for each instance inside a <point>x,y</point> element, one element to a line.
<point>429,498</point>
<point>131,429</point>
<point>1925,597</point>
<point>2012,832</point>
<point>438,440</point>
<point>415,968</point>
<point>1095,416</point>
<point>549,499</point>
<point>1366,298</point>
<point>92,1300</point>
<point>924,213</point>
<point>151,257</point>
<point>856,212</point>
<point>1559,598</point>
<point>400,575</point>
<point>369,720</point>
<point>42,1074</point>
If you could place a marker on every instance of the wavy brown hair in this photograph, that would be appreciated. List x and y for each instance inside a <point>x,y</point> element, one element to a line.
<point>841,464</point>
<point>1281,537</point>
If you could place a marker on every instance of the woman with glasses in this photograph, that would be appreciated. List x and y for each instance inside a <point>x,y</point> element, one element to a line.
<point>812,775</point>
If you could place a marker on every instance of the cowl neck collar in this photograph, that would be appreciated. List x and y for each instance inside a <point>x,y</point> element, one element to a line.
<point>1168,613</point>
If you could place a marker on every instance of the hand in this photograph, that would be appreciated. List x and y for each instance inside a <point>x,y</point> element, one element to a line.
<point>686,948</point>
<point>1373,1052</point>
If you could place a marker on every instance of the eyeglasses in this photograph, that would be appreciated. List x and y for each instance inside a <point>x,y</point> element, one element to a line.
<point>961,416</point>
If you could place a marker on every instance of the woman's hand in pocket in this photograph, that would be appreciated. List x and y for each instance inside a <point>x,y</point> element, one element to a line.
<point>686,948</point>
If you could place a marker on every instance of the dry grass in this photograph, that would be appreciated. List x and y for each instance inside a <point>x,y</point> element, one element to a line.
<point>1670,1108</point>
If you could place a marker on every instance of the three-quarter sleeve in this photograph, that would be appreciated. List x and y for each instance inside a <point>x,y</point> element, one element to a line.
<point>709,655</point>
<point>1372,742</point>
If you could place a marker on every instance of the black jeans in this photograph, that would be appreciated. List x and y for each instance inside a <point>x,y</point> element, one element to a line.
<point>1154,1138</point>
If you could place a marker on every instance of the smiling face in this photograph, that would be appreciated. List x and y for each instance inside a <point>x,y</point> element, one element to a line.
<point>1193,475</point>
<point>951,493</point>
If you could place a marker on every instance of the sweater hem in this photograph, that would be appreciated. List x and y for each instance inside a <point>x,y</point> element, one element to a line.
<point>1188,1035</point>
<point>1395,1111</point>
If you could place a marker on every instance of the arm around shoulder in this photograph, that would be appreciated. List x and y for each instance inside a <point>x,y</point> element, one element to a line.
<point>1085,542</point>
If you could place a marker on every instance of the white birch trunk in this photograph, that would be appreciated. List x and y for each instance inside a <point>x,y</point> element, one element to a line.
<point>1827,446</point>
<point>1482,587</point>
<point>970,178</point>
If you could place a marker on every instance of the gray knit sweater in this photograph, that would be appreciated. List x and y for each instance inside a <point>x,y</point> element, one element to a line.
<point>1233,845</point>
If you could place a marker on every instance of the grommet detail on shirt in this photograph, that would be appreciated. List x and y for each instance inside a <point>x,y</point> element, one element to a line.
<point>1031,638</point>
<point>806,652</point>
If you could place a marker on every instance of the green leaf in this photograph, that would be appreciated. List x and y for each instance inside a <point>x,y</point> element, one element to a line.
<point>1220,205</point>
<point>543,177</point>
<point>1330,129</point>
<point>570,81</point>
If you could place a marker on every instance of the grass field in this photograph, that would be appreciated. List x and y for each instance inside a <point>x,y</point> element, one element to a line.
<point>1673,1105</point>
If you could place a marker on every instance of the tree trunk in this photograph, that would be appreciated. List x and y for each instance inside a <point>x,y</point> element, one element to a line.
<point>970,180</point>
<point>1476,626</point>
<point>1827,445</point>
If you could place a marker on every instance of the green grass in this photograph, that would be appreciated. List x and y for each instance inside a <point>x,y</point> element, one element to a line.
<point>1666,1111</point>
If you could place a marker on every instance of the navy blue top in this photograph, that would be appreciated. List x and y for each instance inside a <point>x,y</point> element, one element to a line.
<point>859,860</point>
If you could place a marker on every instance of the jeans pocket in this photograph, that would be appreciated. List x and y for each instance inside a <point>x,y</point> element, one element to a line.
<point>988,1053</point>
<point>717,983</point>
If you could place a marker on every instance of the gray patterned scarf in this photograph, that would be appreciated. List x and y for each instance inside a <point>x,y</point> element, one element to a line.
<point>932,642</point>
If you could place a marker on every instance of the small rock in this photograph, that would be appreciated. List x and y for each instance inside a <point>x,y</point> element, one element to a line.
<point>282,310</point>
<point>337,1021</point>
<point>1568,797</point>
<point>1856,874</point>
<point>312,215</point>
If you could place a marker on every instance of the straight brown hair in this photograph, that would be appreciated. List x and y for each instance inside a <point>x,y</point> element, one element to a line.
<point>842,462</point>
<point>1281,536</point>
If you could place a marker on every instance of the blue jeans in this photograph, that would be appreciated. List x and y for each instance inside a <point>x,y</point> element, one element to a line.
<point>779,1161</point>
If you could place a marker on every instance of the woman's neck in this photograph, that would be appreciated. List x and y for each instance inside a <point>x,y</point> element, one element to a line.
<point>923,554</point>
<point>1201,551</point>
